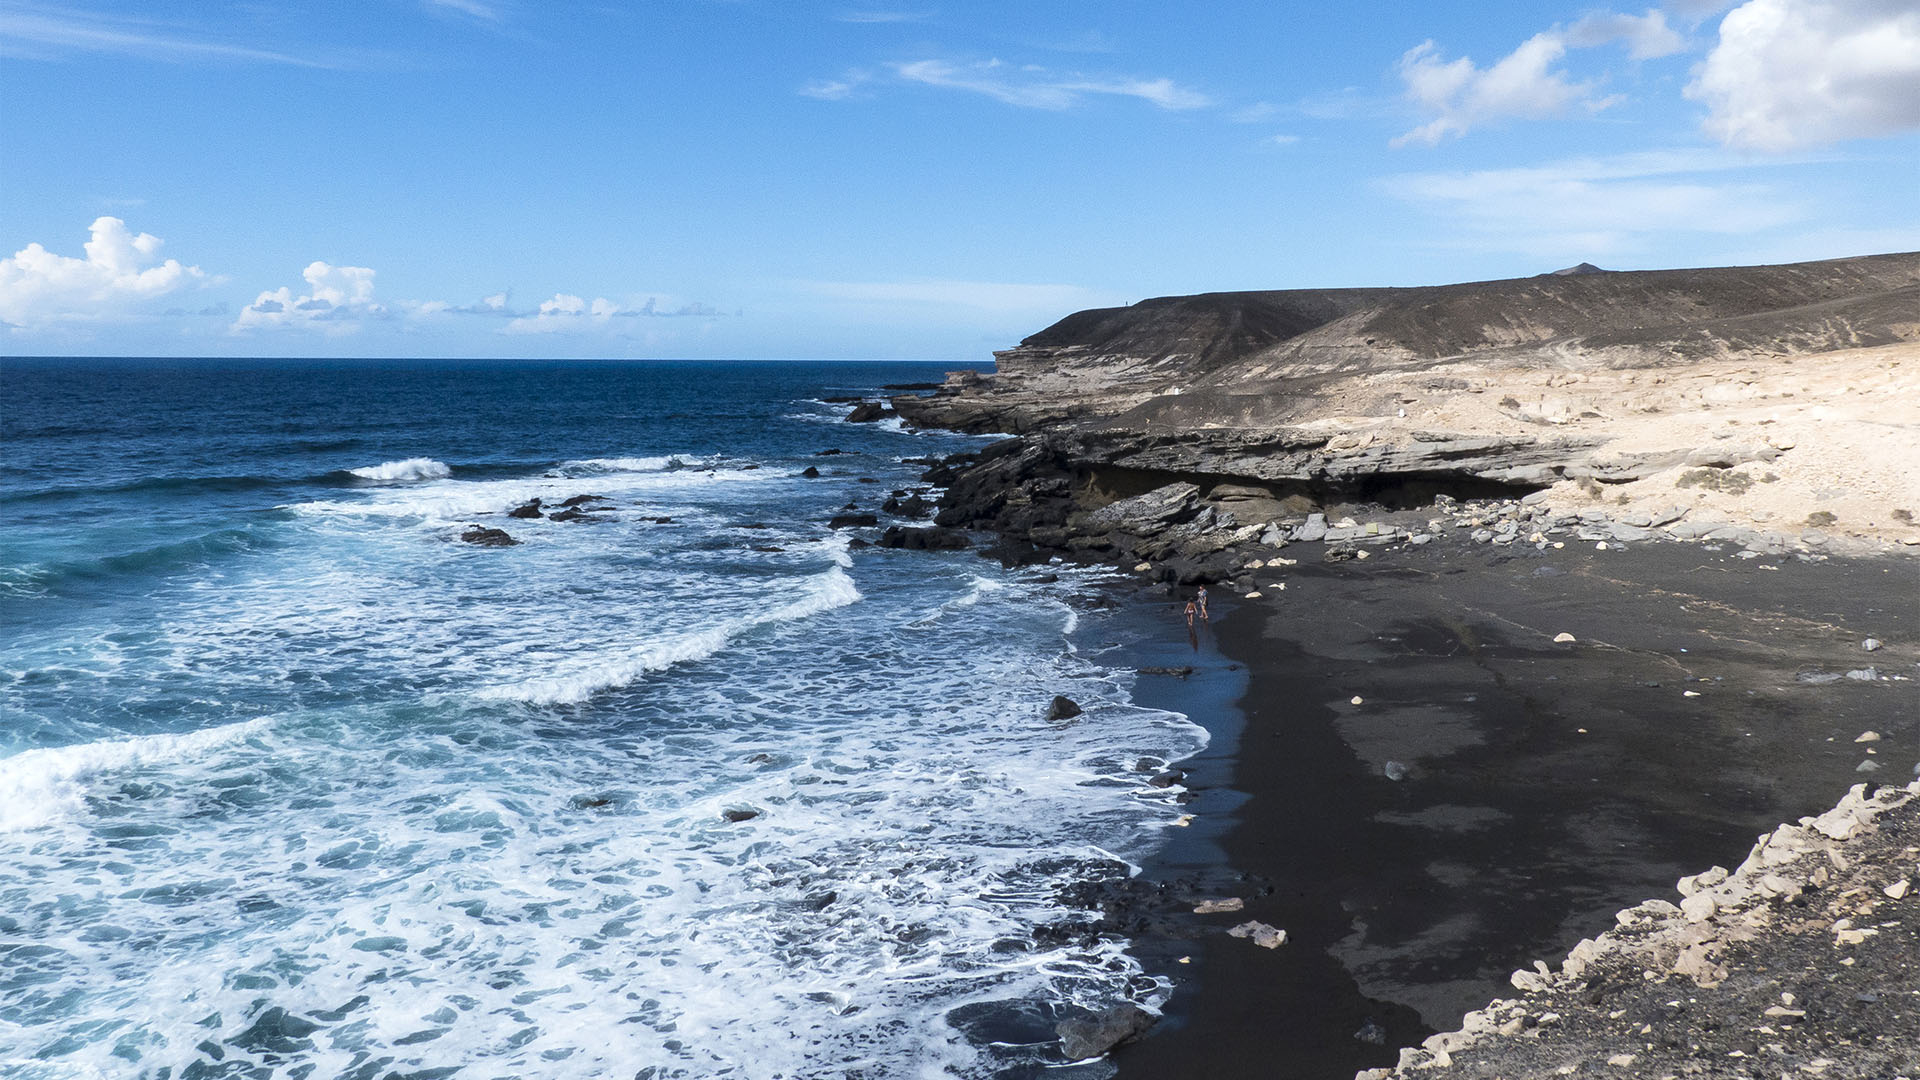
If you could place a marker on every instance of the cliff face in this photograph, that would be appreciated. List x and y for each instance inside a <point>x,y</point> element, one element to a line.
<point>1777,397</point>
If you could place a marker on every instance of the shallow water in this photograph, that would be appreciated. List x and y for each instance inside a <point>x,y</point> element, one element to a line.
<point>294,783</point>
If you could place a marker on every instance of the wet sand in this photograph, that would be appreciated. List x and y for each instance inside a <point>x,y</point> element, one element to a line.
<point>1544,785</point>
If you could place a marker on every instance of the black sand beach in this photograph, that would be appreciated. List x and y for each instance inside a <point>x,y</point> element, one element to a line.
<point>1544,785</point>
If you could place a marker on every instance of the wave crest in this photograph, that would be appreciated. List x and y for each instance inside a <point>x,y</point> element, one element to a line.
<point>823,592</point>
<point>40,786</point>
<point>416,468</point>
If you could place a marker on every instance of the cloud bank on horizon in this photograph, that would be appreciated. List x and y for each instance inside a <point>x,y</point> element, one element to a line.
<point>905,183</point>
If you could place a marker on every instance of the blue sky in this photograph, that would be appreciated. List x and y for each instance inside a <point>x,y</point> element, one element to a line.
<point>745,178</point>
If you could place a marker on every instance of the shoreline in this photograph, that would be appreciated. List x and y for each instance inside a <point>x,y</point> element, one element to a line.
<point>1407,902</point>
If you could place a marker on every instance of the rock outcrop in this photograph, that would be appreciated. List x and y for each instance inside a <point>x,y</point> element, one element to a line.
<point>1756,396</point>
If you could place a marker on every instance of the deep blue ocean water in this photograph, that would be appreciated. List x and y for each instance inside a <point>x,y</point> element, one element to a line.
<point>294,783</point>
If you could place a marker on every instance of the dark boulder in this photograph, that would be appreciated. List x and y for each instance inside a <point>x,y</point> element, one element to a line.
<point>829,453</point>
<point>1063,708</point>
<point>1092,1037</point>
<point>913,506</point>
<point>485,537</point>
<point>810,473</point>
<point>856,543</point>
<point>737,814</point>
<point>851,521</point>
<point>867,412</point>
<point>573,513</point>
<point>526,510</point>
<point>929,539</point>
<point>580,500</point>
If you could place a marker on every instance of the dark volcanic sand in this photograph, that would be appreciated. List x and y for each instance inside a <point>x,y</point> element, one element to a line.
<point>1514,833</point>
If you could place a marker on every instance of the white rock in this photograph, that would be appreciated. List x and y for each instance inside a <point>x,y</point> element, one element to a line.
<point>1622,1060</point>
<point>1357,700</point>
<point>1699,907</point>
<point>1563,639</point>
<point>1898,890</point>
<point>1227,903</point>
<point>1870,644</point>
<point>1267,937</point>
<point>1253,595</point>
<point>1601,546</point>
<point>1690,693</point>
<point>1141,568</point>
<point>1868,736</point>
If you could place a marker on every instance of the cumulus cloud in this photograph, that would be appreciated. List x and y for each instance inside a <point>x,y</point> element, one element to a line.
<point>120,272</point>
<point>1462,95</point>
<point>1794,73</point>
<point>338,299</point>
<point>1593,207</point>
<point>1646,36</point>
<point>1527,83</point>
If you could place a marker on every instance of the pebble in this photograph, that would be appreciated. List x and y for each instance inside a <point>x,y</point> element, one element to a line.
<point>1898,890</point>
<point>1870,644</point>
<point>1563,639</point>
<point>1209,907</point>
<point>1690,693</point>
<point>1868,736</point>
<point>1357,700</point>
<point>1255,595</point>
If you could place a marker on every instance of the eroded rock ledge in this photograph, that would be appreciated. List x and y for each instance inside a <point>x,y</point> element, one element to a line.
<point>1803,961</point>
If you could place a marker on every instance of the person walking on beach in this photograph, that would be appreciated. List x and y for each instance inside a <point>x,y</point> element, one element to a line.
<point>1192,610</point>
<point>1202,601</point>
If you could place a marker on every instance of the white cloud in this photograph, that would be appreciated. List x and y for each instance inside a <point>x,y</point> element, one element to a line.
<point>473,8</point>
<point>835,89</point>
<point>1462,95</point>
<point>1527,83</point>
<point>567,312</point>
<point>1646,36</point>
<point>338,299</point>
<point>120,272</point>
<point>1281,140</point>
<point>1793,73</point>
<point>1594,207</point>
<point>66,30</point>
<point>1038,88</point>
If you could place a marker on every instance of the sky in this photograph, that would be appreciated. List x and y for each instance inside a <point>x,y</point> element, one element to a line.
<point>889,180</point>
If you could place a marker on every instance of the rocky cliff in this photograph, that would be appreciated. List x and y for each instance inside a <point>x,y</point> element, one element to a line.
<point>1782,398</point>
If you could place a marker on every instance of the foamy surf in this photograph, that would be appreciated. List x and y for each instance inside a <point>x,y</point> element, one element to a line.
<point>824,592</point>
<point>419,468</point>
<point>38,787</point>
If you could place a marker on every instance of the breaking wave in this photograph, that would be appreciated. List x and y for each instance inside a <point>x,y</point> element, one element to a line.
<point>38,787</point>
<point>418,468</point>
<point>823,592</point>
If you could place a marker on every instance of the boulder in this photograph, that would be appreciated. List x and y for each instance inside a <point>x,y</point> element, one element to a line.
<point>1314,529</point>
<point>1146,514</point>
<point>1092,1037</point>
<point>810,473</point>
<point>933,538</point>
<point>867,412</point>
<point>486,537</point>
<point>580,500</point>
<point>1062,708</point>
<point>851,521</point>
<point>526,510</point>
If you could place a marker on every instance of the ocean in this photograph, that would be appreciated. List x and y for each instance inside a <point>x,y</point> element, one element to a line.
<point>296,783</point>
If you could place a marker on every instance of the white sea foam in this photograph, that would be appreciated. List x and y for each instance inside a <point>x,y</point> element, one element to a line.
<point>629,464</point>
<point>419,468</point>
<point>824,592</point>
<point>43,785</point>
